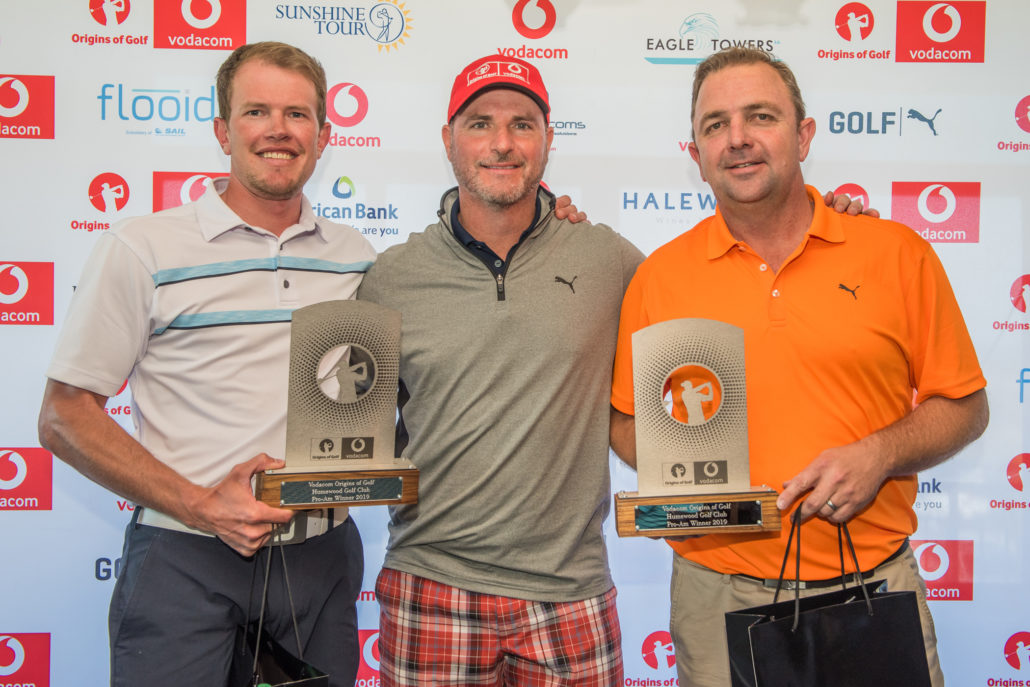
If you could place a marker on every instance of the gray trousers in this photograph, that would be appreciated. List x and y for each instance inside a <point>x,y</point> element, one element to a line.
<point>180,598</point>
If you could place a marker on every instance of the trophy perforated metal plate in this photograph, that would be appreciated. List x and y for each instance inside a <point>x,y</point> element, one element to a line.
<point>342,406</point>
<point>690,400</point>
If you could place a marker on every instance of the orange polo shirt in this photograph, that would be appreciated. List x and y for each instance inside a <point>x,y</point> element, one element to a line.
<point>859,320</point>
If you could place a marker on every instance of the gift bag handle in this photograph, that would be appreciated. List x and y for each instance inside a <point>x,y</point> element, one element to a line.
<point>795,530</point>
<point>261,612</point>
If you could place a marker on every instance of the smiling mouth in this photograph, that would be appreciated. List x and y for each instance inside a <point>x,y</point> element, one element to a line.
<point>743,165</point>
<point>276,155</point>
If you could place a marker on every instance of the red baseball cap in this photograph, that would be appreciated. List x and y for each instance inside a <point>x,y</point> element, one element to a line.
<point>497,71</point>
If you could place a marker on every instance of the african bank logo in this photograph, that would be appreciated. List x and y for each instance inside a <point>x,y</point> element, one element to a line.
<point>698,37</point>
<point>854,22</point>
<point>657,650</point>
<point>200,24</point>
<point>1018,472</point>
<point>368,670</point>
<point>172,189</point>
<point>692,394</point>
<point>534,18</point>
<point>388,24</point>
<point>26,479</point>
<point>25,659</point>
<point>1017,650</point>
<point>343,188</point>
<point>26,292</point>
<point>855,191</point>
<point>109,12</point>
<point>348,110</point>
<point>1023,114</point>
<point>939,212</point>
<point>930,31</point>
<point>108,192</point>
<point>947,568</point>
<point>26,106</point>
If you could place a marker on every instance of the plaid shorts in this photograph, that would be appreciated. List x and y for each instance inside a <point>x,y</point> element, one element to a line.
<point>435,634</point>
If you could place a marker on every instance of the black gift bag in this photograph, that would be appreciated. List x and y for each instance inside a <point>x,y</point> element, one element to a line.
<point>260,661</point>
<point>852,637</point>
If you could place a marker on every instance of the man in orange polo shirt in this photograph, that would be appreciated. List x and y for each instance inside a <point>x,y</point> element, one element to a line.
<point>845,319</point>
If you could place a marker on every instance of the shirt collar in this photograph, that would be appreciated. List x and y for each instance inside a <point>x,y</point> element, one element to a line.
<point>466,239</point>
<point>826,225</point>
<point>215,217</point>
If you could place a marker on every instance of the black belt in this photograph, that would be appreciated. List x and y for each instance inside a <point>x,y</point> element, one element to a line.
<point>821,584</point>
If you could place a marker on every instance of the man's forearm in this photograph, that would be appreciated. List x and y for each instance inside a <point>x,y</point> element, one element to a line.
<point>623,437</point>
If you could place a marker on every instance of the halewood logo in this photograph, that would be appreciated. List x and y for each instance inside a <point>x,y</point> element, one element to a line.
<point>939,212</point>
<point>200,24</point>
<point>929,31</point>
<point>172,189</point>
<point>26,293</point>
<point>26,479</point>
<point>26,106</point>
<point>25,659</point>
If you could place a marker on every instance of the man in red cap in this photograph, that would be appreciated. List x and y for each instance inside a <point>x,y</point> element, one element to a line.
<point>499,574</point>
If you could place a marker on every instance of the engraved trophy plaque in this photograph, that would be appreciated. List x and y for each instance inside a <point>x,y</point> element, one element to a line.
<point>690,400</point>
<point>342,406</point>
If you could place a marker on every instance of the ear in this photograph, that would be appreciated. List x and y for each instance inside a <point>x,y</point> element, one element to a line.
<point>221,128</point>
<point>695,154</point>
<point>806,131</point>
<point>323,137</point>
<point>445,134</point>
<point>550,137</point>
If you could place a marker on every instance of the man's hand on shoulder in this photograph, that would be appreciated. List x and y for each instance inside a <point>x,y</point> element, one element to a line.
<point>564,209</point>
<point>844,204</point>
<point>230,512</point>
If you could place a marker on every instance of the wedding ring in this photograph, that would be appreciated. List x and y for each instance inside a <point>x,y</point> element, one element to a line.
<point>830,505</point>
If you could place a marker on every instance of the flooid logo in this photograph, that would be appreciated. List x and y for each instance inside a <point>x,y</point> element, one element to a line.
<point>26,292</point>
<point>109,12</point>
<point>939,212</point>
<point>25,659</point>
<point>200,24</point>
<point>26,479</point>
<point>172,189</point>
<point>930,31</point>
<point>947,568</point>
<point>26,106</point>
<point>108,192</point>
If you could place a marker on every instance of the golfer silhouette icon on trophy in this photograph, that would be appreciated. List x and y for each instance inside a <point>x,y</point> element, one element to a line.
<point>690,400</point>
<point>341,410</point>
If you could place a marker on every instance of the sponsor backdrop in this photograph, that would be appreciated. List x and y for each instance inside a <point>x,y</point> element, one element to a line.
<point>922,110</point>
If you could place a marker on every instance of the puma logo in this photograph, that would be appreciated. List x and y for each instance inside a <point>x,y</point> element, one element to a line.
<point>916,114</point>
<point>559,280</point>
<point>851,291</point>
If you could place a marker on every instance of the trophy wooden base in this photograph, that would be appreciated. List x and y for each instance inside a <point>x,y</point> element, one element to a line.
<point>671,516</point>
<point>369,487</point>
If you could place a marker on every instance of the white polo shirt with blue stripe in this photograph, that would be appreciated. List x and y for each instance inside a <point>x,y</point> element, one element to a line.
<point>193,307</point>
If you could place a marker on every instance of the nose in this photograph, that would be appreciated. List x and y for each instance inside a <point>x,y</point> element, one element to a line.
<point>739,136</point>
<point>502,142</point>
<point>276,125</point>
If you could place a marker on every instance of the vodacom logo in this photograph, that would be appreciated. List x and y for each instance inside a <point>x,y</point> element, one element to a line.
<point>360,107</point>
<point>930,574</point>
<point>15,648</point>
<point>370,651</point>
<point>518,18</point>
<point>194,21</point>
<point>22,281</point>
<point>194,187</point>
<point>949,203</point>
<point>21,470</point>
<point>23,97</point>
<point>953,16</point>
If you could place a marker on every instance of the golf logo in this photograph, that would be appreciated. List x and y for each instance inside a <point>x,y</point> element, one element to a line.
<point>1018,472</point>
<point>108,192</point>
<point>657,650</point>
<point>1023,114</point>
<point>854,22</point>
<point>855,191</point>
<point>692,394</point>
<point>1017,651</point>
<point>109,12</point>
<point>388,24</point>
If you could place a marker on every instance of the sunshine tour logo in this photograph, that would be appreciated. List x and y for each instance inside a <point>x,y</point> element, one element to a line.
<point>25,659</point>
<point>172,189</point>
<point>200,24</point>
<point>388,23</point>
<point>939,212</point>
<point>26,106</point>
<point>929,31</point>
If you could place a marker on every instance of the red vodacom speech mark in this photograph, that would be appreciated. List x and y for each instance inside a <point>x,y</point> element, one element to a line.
<point>26,106</point>
<point>25,658</point>
<point>200,24</point>
<point>940,212</point>
<point>26,292</point>
<point>929,31</point>
<point>947,568</point>
<point>172,189</point>
<point>26,479</point>
<point>518,18</point>
<point>360,107</point>
<point>368,670</point>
